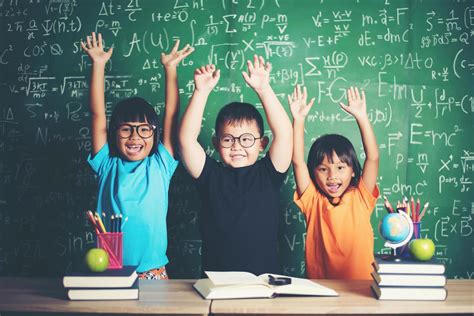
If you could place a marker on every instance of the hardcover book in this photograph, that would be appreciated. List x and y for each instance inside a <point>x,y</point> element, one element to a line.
<point>233,285</point>
<point>79,294</point>
<point>409,293</point>
<point>384,279</point>
<point>408,266</point>
<point>119,278</point>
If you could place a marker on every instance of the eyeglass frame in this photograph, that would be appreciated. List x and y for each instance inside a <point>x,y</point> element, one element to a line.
<point>135,128</point>
<point>234,138</point>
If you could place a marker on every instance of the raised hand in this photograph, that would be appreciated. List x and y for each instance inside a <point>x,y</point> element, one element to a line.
<point>356,103</point>
<point>258,76</point>
<point>95,50</point>
<point>176,56</point>
<point>297,101</point>
<point>206,78</point>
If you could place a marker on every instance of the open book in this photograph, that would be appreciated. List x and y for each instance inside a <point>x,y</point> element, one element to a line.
<point>230,285</point>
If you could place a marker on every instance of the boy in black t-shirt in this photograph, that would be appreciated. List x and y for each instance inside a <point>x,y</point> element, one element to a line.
<point>239,221</point>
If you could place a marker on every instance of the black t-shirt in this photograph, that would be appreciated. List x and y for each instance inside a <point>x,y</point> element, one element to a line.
<point>239,218</point>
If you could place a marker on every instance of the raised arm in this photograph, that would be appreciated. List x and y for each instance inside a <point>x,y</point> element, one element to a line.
<point>358,109</point>
<point>299,109</point>
<point>94,48</point>
<point>258,78</point>
<point>170,122</point>
<point>192,153</point>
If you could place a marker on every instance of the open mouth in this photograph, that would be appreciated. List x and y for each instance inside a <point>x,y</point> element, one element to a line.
<point>333,187</point>
<point>133,148</point>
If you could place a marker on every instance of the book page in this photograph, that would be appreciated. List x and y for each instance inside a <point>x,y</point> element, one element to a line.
<point>233,278</point>
<point>300,286</point>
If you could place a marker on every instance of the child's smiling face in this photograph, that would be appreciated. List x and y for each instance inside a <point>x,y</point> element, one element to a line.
<point>333,178</point>
<point>237,156</point>
<point>131,145</point>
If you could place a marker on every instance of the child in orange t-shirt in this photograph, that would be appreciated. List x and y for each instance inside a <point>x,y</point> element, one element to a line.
<point>335,194</point>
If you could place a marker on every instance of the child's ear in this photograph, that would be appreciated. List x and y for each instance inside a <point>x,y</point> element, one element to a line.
<point>264,143</point>
<point>215,142</point>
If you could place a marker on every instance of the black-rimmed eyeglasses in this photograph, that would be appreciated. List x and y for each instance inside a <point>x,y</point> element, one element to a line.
<point>143,130</point>
<point>245,140</point>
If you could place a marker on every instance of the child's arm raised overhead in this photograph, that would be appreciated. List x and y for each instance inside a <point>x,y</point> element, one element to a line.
<point>99,58</point>
<point>170,122</point>
<point>192,154</point>
<point>258,78</point>
<point>358,109</point>
<point>299,109</point>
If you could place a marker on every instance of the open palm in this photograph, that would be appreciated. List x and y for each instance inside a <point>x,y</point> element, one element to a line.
<point>297,101</point>
<point>95,50</point>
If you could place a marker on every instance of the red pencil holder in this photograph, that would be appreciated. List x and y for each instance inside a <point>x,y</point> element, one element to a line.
<point>112,244</point>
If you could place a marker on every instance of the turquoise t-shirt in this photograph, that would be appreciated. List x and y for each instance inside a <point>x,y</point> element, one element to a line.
<point>139,191</point>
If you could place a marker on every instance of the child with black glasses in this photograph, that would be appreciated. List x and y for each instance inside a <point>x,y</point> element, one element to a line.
<point>133,167</point>
<point>240,195</point>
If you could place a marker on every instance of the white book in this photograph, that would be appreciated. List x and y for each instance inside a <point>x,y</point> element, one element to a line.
<point>104,294</point>
<point>119,278</point>
<point>420,280</point>
<point>236,284</point>
<point>409,293</point>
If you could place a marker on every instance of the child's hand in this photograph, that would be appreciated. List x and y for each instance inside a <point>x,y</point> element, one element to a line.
<point>356,103</point>
<point>176,56</point>
<point>95,50</point>
<point>206,78</point>
<point>258,77</point>
<point>297,101</point>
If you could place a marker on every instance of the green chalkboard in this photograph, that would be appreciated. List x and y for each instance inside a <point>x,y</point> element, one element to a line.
<point>415,60</point>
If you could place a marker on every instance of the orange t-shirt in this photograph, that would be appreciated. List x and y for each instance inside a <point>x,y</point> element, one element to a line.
<point>339,239</point>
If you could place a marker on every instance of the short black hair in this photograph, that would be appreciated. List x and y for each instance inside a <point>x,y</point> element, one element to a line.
<point>238,112</point>
<point>328,144</point>
<point>134,109</point>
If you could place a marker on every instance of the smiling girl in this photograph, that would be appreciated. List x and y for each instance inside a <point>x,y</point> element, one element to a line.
<point>133,166</point>
<point>335,194</point>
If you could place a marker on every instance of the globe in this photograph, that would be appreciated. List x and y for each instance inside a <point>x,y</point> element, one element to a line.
<point>395,227</point>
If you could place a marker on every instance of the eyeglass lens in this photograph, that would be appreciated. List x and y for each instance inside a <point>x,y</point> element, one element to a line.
<point>245,140</point>
<point>143,130</point>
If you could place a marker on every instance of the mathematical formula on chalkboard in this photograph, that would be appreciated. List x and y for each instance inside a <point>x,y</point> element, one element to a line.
<point>414,59</point>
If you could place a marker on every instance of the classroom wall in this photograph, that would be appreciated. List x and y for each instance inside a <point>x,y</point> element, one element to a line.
<point>414,59</point>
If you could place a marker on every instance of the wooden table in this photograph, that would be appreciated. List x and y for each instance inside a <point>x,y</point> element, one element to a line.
<point>48,296</point>
<point>178,297</point>
<point>355,298</point>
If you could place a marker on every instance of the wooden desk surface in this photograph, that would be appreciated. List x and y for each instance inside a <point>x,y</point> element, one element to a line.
<point>49,296</point>
<point>178,297</point>
<point>355,297</point>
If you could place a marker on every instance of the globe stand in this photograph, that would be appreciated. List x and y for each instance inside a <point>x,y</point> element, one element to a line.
<point>393,256</point>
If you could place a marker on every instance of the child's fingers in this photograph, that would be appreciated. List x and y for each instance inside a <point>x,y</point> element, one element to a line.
<point>261,62</point>
<point>99,43</point>
<point>250,66</point>
<point>88,40</point>
<point>344,107</point>
<point>110,51</point>
<point>255,61</point>
<point>298,91</point>
<point>217,74</point>
<point>363,95</point>
<point>311,102</point>
<point>175,47</point>
<point>198,71</point>
<point>246,76</point>
<point>94,40</point>
<point>268,67</point>
<point>357,93</point>
<point>305,94</point>
<point>290,101</point>
<point>84,47</point>
<point>349,95</point>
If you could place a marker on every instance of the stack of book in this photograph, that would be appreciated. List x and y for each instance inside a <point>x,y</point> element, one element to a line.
<point>408,279</point>
<point>120,284</point>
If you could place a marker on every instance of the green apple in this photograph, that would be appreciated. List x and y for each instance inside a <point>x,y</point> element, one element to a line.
<point>422,249</point>
<point>97,259</point>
